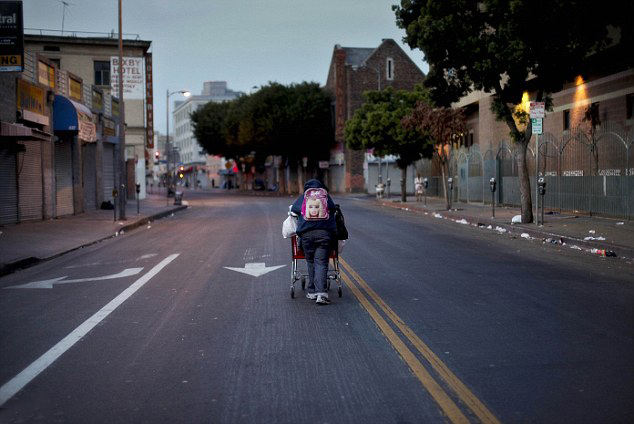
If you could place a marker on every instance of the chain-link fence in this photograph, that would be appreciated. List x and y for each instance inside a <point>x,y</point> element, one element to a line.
<point>587,170</point>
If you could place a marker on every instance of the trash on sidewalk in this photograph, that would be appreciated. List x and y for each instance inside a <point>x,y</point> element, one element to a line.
<point>526,235</point>
<point>594,238</point>
<point>517,219</point>
<point>603,252</point>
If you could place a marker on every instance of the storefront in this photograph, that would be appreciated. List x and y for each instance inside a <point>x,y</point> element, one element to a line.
<point>75,156</point>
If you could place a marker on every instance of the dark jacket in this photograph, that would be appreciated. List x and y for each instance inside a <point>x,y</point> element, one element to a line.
<point>326,224</point>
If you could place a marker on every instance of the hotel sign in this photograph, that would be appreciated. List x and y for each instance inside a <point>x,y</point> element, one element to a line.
<point>133,70</point>
<point>11,37</point>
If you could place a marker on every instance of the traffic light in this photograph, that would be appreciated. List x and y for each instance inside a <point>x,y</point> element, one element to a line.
<point>182,168</point>
<point>157,154</point>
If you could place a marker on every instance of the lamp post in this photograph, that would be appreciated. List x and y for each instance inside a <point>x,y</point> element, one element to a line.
<point>168,149</point>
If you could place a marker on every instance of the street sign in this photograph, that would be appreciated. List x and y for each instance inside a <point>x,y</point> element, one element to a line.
<point>11,37</point>
<point>537,110</point>
<point>323,164</point>
<point>537,125</point>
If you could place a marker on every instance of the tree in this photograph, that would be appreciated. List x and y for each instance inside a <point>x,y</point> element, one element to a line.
<point>290,121</point>
<point>444,125</point>
<point>507,48</point>
<point>377,125</point>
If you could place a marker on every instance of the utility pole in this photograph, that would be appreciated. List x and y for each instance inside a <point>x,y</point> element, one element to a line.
<point>122,165</point>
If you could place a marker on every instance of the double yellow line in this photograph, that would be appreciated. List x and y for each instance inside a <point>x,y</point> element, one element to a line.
<point>433,362</point>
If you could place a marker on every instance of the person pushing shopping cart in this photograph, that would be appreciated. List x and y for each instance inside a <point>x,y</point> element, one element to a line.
<point>317,232</point>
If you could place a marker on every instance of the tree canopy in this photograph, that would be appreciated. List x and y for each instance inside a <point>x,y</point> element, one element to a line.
<point>377,125</point>
<point>291,121</point>
<point>507,48</point>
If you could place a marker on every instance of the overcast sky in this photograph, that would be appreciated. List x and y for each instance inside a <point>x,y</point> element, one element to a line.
<point>244,42</point>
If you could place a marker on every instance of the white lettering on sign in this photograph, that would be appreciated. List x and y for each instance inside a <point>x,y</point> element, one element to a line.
<point>133,71</point>
<point>8,19</point>
<point>537,109</point>
<point>536,125</point>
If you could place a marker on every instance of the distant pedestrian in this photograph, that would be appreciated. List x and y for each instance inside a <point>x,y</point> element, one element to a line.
<point>317,231</point>
<point>418,186</point>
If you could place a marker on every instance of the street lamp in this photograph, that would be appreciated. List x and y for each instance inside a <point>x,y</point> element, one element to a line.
<point>185,93</point>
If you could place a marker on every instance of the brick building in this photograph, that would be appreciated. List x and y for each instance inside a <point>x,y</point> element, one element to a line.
<point>353,71</point>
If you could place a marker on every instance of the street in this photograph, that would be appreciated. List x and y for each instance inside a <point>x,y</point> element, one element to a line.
<point>437,323</point>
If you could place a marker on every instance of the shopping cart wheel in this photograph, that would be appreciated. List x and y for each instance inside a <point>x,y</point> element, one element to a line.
<point>303,283</point>
<point>340,292</point>
<point>292,292</point>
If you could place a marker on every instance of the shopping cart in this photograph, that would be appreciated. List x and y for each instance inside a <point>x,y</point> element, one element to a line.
<point>296,274</point>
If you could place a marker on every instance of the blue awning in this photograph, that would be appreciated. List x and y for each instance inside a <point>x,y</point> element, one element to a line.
<point>72,117</point>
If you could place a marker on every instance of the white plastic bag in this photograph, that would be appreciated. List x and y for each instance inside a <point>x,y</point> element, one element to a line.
<point>340,246</point>
<point>289,227</point>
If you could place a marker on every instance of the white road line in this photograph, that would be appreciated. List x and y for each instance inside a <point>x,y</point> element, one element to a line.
<point>18,382</point>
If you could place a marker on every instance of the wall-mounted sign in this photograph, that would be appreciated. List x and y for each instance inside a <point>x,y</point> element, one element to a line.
<point>116,110</point>
<point>97,100</point>
<point>11,37</point>
<point>46,74</point>
<point>75,88</point>
<point>133,77</point>
<point>31,102</point>
<point>149,102</point>
<point>109,127</point>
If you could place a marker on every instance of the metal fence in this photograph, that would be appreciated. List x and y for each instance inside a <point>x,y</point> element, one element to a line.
<point>586,171</point>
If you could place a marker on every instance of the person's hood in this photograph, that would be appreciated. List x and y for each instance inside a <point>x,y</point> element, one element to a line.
<point>314,183</point>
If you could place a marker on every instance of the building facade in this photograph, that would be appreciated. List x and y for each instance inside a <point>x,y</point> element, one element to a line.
<point>93,61</point>
<point>193,160</point>
<point>352,72</point>
<point>57,143</point>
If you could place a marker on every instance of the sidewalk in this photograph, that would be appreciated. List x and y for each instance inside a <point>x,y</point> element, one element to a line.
<point>25,244</point>
<point>584,232</point>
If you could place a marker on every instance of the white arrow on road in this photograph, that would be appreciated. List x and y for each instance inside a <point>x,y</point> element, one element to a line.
<point>255,268</point>
<point>48,284</point>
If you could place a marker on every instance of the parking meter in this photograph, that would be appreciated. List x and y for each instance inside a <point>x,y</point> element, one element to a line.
<point>138,190</point>
<point>389,183</point>
<point>114,200</point>
<point>492,183</point>
<point>541,187</point>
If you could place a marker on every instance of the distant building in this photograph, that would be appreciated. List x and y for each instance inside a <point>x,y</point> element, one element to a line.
<point>192,158</point>
<point>353,71</point>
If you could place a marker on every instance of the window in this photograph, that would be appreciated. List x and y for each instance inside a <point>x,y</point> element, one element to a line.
<point>566,120</point>
<point>102,72</point>
<point>390,69</point>
<point>629,106</point>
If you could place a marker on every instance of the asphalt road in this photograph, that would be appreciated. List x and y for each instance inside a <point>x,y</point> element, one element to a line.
<point>438,323</point>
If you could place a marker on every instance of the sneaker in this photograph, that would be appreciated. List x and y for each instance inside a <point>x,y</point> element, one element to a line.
<point>311,296</point>
<point>322,300</point>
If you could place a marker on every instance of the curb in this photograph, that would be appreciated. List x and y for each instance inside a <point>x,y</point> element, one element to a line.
<point>30,261</point>
<point>519,229</point>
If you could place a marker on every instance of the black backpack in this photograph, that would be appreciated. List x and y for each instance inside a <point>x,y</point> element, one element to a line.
<point>342,231</point>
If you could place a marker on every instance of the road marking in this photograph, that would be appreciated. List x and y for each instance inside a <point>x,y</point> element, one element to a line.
<point>48,284</point>
<point>17,383</point>
<point>457,386</point>
<point>255,269</point>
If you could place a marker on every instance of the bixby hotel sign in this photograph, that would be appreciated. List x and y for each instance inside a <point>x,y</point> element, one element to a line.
<point>11,37</point>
